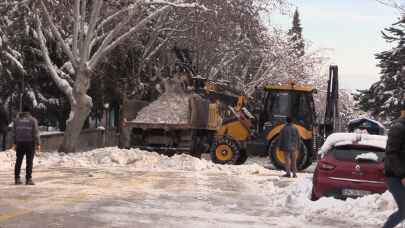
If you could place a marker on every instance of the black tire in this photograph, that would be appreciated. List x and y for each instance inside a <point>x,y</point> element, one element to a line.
<point>313,197</point>
<point>302,161</point>
<point>243,157</point>
<point>231,153</point>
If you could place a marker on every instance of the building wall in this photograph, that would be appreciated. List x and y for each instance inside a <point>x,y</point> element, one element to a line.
<point>89,139</point>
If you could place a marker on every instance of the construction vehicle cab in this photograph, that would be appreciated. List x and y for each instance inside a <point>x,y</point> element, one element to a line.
<point>297,102</point>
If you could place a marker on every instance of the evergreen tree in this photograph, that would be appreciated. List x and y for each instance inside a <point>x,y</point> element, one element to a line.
<point>382,99</point>
<point>296,35</point>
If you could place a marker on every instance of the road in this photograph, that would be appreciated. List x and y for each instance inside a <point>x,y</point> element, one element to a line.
<point>116,197</point>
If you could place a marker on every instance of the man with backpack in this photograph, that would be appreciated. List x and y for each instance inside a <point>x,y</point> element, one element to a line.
<point>26,139</point>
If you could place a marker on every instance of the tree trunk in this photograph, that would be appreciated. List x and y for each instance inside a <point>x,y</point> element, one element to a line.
<point>79,112</point>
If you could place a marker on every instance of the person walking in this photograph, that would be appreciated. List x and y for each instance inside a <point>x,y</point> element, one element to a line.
<point>3,126</point>
<point>26,138</point>
<point>289,142</point>
<point>395,168</point>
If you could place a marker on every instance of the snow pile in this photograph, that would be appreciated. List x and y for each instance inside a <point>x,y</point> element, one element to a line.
<point>367,156</point>
<point>172,107</point>
<point>134,159</point>
<point>340,139</point>
<point>7,159</point>
<point>167,109</point>
<point>297,198</point>
<point>368,119</point>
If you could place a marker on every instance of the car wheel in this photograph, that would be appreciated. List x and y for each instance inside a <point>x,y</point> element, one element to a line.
<point>313,196</point>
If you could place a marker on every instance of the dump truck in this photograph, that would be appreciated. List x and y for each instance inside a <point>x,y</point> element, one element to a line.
<point>193,134</point>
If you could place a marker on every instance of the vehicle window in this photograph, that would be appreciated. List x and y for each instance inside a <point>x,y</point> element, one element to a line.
<point>280,104</point>
<point>349,154</point>
<point>303,111</point>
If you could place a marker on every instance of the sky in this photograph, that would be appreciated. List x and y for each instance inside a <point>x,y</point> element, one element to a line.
<point>351,29</point>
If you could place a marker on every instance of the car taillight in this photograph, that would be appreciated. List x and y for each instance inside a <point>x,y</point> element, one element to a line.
<point>326,166</point>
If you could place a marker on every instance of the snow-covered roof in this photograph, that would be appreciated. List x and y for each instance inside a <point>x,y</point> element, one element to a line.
<point>340,139</point>
<point>368,119</point>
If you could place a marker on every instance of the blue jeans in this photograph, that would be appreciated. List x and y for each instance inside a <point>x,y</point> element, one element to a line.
<point>397,190</point>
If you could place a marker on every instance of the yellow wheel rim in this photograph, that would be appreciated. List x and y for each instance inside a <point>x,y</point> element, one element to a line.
<point>280,156</point>
<point>224,153</point>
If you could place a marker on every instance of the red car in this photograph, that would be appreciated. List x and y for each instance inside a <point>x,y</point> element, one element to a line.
<point>351,166</point>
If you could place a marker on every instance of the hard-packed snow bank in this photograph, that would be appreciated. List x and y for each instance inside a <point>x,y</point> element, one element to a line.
<point>368,210</point>
<point>131,159</point>
<point>172,107</point>
<point>7,159</point>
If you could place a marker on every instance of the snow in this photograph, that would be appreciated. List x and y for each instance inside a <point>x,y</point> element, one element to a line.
<point>367,156</point>
<point>43,133</point>
<point>340,139</point>
<point>292,195</point>
<point>133,159</point>
<point>371,120</point>
<point>371,209</point>
<point>172,107</point>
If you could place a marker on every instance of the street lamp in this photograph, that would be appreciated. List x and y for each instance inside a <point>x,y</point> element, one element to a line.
<point>107,120</point>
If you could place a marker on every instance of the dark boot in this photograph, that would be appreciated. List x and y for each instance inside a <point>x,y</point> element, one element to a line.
<point>18,181</point>
<point>29,182</point>
<point>286,175</point>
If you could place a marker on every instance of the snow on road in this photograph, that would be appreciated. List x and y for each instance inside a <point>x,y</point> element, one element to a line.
<point>288,197</point>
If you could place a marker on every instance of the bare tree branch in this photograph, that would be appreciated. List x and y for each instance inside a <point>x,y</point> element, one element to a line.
<point>117,14</point>
<point>17,63</point>
<point>82,23</point>
<point>62,84</point>
<point>76,28</point>
<point>90,31</point>
<point>111,35</point>
<point>103,52</point>
<point>58,36</point>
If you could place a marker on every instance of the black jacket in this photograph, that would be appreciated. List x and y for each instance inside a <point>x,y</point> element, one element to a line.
<point>395,150</point>
<point>25,129</point>
<point>4,121</point>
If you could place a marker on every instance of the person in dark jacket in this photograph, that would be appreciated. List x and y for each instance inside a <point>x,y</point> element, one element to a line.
<point>395,168</point>
<point>289,141</point>
<point>26,138</point>
<point>4,121</point>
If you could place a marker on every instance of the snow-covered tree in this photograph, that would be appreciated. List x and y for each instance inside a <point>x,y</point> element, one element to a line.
<point>24,78</point>
<point>383,97</point>
<point>397,4</point>
<point>280,62</point>
<point>296,34</point>
<point>93,33</point>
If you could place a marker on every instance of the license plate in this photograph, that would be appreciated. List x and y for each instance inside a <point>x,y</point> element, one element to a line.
<point>354,192</point>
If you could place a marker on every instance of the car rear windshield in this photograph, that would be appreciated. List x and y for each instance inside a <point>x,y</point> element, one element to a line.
<point>349,153</point>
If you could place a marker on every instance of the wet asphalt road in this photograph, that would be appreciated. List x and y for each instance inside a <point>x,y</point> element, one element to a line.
<point>66,197</point>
